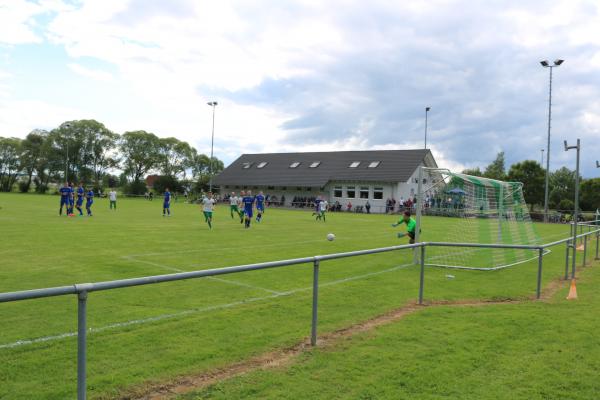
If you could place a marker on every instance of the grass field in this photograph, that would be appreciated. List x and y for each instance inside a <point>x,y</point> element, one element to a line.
<point>156,333</point>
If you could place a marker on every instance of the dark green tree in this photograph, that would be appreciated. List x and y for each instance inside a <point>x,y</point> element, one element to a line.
<point>10,166</point>
<point>590,194</point>
<point>140,153</point>
<point>496,170</point>
<point>532,176</point>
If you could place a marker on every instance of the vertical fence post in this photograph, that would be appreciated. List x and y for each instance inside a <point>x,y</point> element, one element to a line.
<point>422,277</point>
<point>573,258</point>
<point>597,240</point>
<point>81,344</point>
<point>585,240</point>
<point>538,291</point>
<point>313,332</point>
<point>567,259</point>
<point>581,233</point>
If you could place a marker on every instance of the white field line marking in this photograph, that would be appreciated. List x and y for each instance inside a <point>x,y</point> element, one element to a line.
<point>26,342</point>
<point>231,282</point>
<point>237,283</point>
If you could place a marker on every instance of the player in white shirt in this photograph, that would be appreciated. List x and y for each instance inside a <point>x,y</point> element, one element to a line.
<point>233,205</point>
<point>208,204</point>
<point>112,197</point>
<point>322,209</point>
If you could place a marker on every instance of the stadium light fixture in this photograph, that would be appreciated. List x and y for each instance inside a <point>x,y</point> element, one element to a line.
<point>542,160</point>
<point>546,64</point>
<point>213,104</point>
<point>597,164</point>
<point>576,207</point>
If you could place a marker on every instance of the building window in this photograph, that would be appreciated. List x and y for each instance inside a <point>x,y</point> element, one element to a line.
<point>315,164</point>
<point>378,193</point>
<point>226,187</point>
<point>351,192</point>
<point>246,165</point>
<point>299,189</point>
<point>364,192</point>
<point>262,164</point>
<point>270,187</point>
<point>295,164</point>
<point>284,188</point>
<point>374,164</point>
<point>337,192</point>
<point>354,164</point>
<point>308,189</point>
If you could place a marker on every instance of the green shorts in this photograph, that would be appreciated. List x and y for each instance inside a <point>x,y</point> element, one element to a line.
<point>207,214</point>
<point>234,208</point>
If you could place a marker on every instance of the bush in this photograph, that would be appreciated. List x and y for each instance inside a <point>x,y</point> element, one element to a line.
<point>566,205</point>
<point>163,182</point>
<point>136,188</point>
<point>24,187</point>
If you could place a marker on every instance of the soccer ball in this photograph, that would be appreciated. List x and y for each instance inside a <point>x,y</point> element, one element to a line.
<point>330,237</point>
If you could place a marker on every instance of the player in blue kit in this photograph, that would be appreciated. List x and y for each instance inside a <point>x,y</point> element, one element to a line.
<point>260,206</point>
<point>71,200</point>
<point>248,202</point>
<point>89,196</point>
<point>80,195</point>
<point>167,203</point>
<point>65,192</point>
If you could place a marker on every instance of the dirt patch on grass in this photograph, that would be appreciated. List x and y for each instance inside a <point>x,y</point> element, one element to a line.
<point>283,357</point>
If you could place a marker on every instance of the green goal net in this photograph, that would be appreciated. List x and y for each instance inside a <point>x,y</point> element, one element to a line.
<point>462,208</point>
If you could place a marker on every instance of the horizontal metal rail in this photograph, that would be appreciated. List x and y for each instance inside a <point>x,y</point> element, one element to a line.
<point>83,289</point>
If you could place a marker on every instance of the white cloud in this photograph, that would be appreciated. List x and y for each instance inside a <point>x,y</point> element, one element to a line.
<point>91,73</point>
<point>342,74</point>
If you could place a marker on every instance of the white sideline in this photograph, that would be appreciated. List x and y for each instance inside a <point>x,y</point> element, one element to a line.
<point>65,335</point>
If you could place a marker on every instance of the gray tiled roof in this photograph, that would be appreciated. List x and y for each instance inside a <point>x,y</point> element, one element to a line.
<point>395,166</point>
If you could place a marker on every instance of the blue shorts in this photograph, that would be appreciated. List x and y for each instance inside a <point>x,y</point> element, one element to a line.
<point>260,207</point>
<point>89,204</point>
<point>64,201</point>
<point>79,202</point>
<point>166,205</point>
<point>248,213</point>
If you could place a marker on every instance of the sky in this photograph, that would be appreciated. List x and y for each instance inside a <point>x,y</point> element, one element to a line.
<point>311,75</point>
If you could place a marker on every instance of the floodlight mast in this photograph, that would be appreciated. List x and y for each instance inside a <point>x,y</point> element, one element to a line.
<point>546,64</point>
<point>576,207</point>
<point>426,112</point>
<point>213,104</point>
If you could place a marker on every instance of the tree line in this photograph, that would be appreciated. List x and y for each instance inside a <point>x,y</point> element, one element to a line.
<point>86,151</point>
<point>533,176</point>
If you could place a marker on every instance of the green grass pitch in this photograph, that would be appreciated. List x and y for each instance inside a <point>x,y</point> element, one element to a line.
<point>156,333</point>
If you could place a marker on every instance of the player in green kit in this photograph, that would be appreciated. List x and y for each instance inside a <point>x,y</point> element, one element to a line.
<point>208,204</point>
<point>233,205</point>
<point>411,225</point>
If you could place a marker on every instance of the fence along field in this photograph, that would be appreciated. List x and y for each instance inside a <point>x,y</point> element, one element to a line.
<point>162,331</point>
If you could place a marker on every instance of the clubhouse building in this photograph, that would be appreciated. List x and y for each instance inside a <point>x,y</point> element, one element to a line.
<point>355,177</point>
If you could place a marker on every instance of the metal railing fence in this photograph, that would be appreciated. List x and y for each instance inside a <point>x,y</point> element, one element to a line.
<point>82,290</point>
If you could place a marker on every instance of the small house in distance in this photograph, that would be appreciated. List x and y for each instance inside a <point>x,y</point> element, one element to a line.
<point>343,176</point>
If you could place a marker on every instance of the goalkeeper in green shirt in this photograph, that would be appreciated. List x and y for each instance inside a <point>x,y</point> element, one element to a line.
<point>411,225</point>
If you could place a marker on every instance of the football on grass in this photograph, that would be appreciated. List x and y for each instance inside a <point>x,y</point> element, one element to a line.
<point>330,237</point>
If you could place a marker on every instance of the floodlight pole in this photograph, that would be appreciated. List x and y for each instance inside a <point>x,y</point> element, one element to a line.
<point>546,64</point>
<point>576,208</point>
<point>418,216</point>
<point>213,104</point>
<point>426,112</point>
<point>68,126</point>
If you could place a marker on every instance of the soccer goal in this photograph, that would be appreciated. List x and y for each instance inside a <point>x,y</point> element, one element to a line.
<point>462,208</point>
